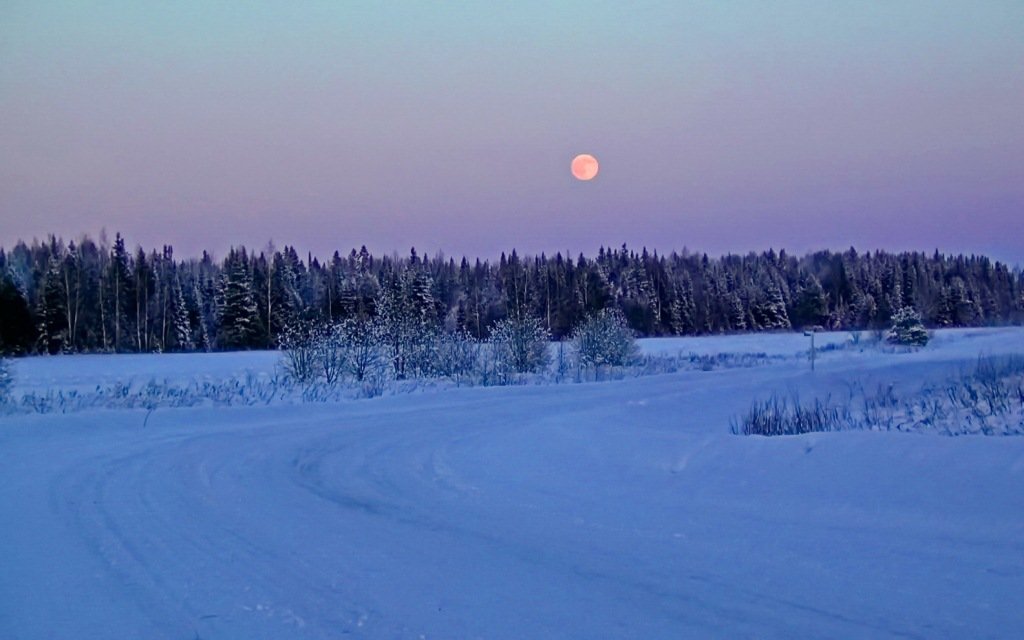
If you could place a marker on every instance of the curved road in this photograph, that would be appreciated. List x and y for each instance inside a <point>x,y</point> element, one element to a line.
<point>594,511</point>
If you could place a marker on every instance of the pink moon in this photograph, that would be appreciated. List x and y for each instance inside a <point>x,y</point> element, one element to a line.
<point>584,167</point>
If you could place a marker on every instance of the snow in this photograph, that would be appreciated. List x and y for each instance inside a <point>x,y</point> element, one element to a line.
<point>83,372</point>
<point>603,510</point>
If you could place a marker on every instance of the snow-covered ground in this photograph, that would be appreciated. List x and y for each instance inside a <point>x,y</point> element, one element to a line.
<point>622,509</point>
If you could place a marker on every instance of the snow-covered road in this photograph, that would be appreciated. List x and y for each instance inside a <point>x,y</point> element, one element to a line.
<point>612,510</point>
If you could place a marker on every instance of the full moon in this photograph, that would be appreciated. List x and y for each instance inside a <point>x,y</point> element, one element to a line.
<point>584,167</point>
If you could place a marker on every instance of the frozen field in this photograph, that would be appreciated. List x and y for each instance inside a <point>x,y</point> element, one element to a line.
<point>623,509</point>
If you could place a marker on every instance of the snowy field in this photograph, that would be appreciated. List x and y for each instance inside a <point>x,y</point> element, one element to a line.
<point>621,509</point>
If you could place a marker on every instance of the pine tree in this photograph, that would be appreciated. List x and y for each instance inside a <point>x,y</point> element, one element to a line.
<point>683,310</point>
<point>17,330</point>
<point>286,302</point>
<point>180,324</point>
<point>71,281</point>
<point>907,328</point>
<point>52,314</point>
<point>142,285</point>
<point>205,343</point>
<point>239,317</point>
<point>737,316</point>
<point>118,283</point>
<point>772,310</point>
<point>810,307</point>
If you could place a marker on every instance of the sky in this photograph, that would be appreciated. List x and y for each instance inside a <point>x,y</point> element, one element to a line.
<point>719,126</point>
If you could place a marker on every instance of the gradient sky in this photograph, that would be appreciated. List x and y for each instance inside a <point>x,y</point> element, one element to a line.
<point>720,126</point>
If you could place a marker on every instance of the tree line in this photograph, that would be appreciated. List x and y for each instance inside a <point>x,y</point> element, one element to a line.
<point>100,296</point>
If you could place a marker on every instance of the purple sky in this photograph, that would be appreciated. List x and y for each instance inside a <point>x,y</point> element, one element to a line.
<point>719,126</point>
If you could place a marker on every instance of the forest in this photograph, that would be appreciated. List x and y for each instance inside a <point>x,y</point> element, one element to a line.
<point>100,296</point>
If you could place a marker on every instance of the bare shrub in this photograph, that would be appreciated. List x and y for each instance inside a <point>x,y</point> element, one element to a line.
<point>779,416</point>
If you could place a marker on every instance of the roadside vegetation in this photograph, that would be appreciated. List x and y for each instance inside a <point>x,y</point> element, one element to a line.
<point>987,399</point>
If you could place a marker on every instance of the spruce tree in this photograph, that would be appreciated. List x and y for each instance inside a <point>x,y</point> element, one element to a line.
<point>52,312</point>
<point>239,317</point>
<point>17,330</point>
<point>180,324</point>
<point>118,278</point>
<point>810,306</point>
<point>907,328</point>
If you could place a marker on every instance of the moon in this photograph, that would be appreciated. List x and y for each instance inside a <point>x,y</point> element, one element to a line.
<point>584,167</point>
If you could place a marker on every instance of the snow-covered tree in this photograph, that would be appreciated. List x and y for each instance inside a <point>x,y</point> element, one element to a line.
<point>907,328</point>
<point>810,307</point>
<point>409,323</point>
<point>683,310</point>
<point>520,345</point>
<point>864,310</point>
<point>51,309</point>
<point>283,302</point>
<point>118,279</point>
<point>735,313</point>
<point>203,305</point>
<point>180,325</point>
<point>239,317</point>
<point>770,312</point>
<point>71,278</point>
<point>85,296</point>
<point>605,339</point>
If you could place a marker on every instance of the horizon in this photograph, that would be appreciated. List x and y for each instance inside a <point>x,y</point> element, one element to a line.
<point>729,128</point>
<point>104,239</point>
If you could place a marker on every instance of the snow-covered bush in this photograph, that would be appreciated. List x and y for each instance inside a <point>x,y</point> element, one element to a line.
<point>907,328</point>
<point>330,353</point>
<point>361,339</point>
<point>299,345</point>
<point>424,354</point>
<point>6,382</point>
<point>458,355</point>
<point>605,339</point>
<point>519,345</point>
